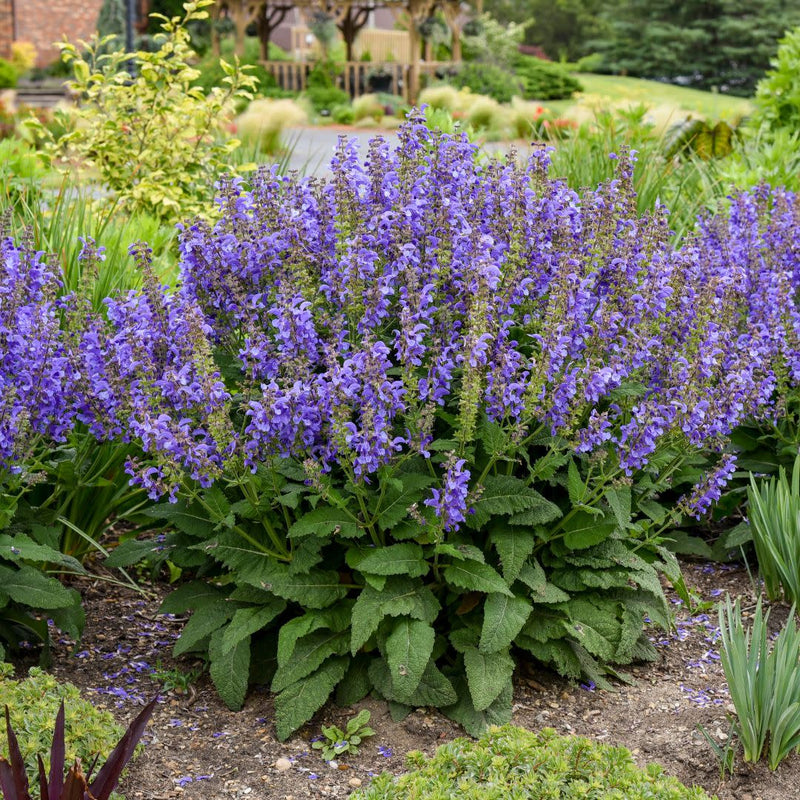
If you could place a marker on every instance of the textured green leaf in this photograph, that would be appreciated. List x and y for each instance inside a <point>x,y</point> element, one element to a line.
<point>324,522</point>
<point>29,587</point>
<point>475,577</point>
<point>596,626</point>
<point>296,704</point>
<point>21,547</point>
<point>397,559</point>
<point>230,670</point>
<point>493,438</point>
<point>475,722</point>
<point>503,619</point>
<point>309,653</point>
<point>306,554</point>
<point>189,519</point>
<point>532,575</point>
<point>401,596</point>
<point>619,498</point>
<point>575,485</point>
<point>408,650</point>
<point>397,501</point>
<point>71,619</point>
<point>190,596</point>
<point>434,688</point>
<point>551,594</point>
<point>356,684</point>
<point>544,624</point>
<point>513,546</point>
<point>133,551</point>
<point>247,621</point>
<point>583,530</point>
<point>203,623</point>
<point>488,674</point>
<point>504,495</point>
<point>317,589</point>
<point>336,618</point>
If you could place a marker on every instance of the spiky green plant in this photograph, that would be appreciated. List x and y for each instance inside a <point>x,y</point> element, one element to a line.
<point>775,523</point>
<point>764,682</point>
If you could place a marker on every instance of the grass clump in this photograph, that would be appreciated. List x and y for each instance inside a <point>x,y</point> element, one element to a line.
<point>33,703</point>
<point>510,762</point>
<point>263,123</point>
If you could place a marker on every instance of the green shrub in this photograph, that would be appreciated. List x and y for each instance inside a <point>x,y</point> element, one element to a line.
<point>326,98</point>
<point>510,762</point>
<point>543,80</point>
<point>778,93</point>
<point>489,79</point>
<point>764,682</point>
<point>343,114</point>
<point>33,703</point>
<point>8,75</point>
<point>368,106</point>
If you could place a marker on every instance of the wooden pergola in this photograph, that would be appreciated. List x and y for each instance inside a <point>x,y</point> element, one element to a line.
<point>350,17</point>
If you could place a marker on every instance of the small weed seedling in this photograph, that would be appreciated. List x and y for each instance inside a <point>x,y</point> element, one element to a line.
<point>175,679</point>
<point>336,742</point>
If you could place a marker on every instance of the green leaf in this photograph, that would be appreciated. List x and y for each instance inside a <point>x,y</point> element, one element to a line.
<point>397,559</point>
<point>488,674</point>
<point>514,547</point>
<point>397,501</point>
<point>532,575</point>
<point>408,650</point>
<point>190,596</point>
<point>325,521</point>
<point>475,577</point>
<point>401,596</point>
<point>317,589</point>
<point>583,530</point>
<point>503,619</point>
<point>230,670</point>
<point>132,552</point>
<point>21,547</point>
<point>619,498</point>
<point>356,684</point>
<point>203,623</point>
<point>575,486</point>
<point>29,587</point>
<point>492,437</point>
<point>309,653</point>
<point>189,519</point>
<point>504,495</point>
<point>247,621</point>
<point>336,618</point>
<point>296,704</point>
<point>475,722</point>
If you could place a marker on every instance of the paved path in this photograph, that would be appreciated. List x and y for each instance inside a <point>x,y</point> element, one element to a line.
<point>313,147</point>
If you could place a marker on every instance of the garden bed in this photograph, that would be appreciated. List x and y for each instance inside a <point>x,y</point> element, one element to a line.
<point>198,749</point>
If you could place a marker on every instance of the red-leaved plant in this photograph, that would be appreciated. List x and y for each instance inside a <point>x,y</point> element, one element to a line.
<point>75,786</point>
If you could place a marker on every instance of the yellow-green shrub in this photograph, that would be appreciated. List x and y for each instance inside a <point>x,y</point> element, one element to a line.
<point>33,704</point>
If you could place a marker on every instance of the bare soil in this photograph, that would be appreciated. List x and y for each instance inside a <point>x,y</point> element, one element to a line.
<point>197,749</point>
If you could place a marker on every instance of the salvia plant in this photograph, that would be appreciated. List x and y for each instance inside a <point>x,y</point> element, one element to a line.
<point>429,414</point>
<point>764,682</point>
<point>774,513</point>
<point>75,785</point>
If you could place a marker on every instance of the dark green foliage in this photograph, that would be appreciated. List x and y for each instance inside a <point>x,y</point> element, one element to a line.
<point>112,22</point>
<point>489,79</point>
<point>721,44</point>
<point>543,80</point>
<point>568,579</point>
<point>563,29</point>
<point>512,762</point>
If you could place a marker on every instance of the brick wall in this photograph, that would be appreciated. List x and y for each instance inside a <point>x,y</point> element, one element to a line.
<point>6,28</point>
<point>46,21</point>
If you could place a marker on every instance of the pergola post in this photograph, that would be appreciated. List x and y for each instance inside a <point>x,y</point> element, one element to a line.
<point>452,16</point>
<point>418,10</point>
